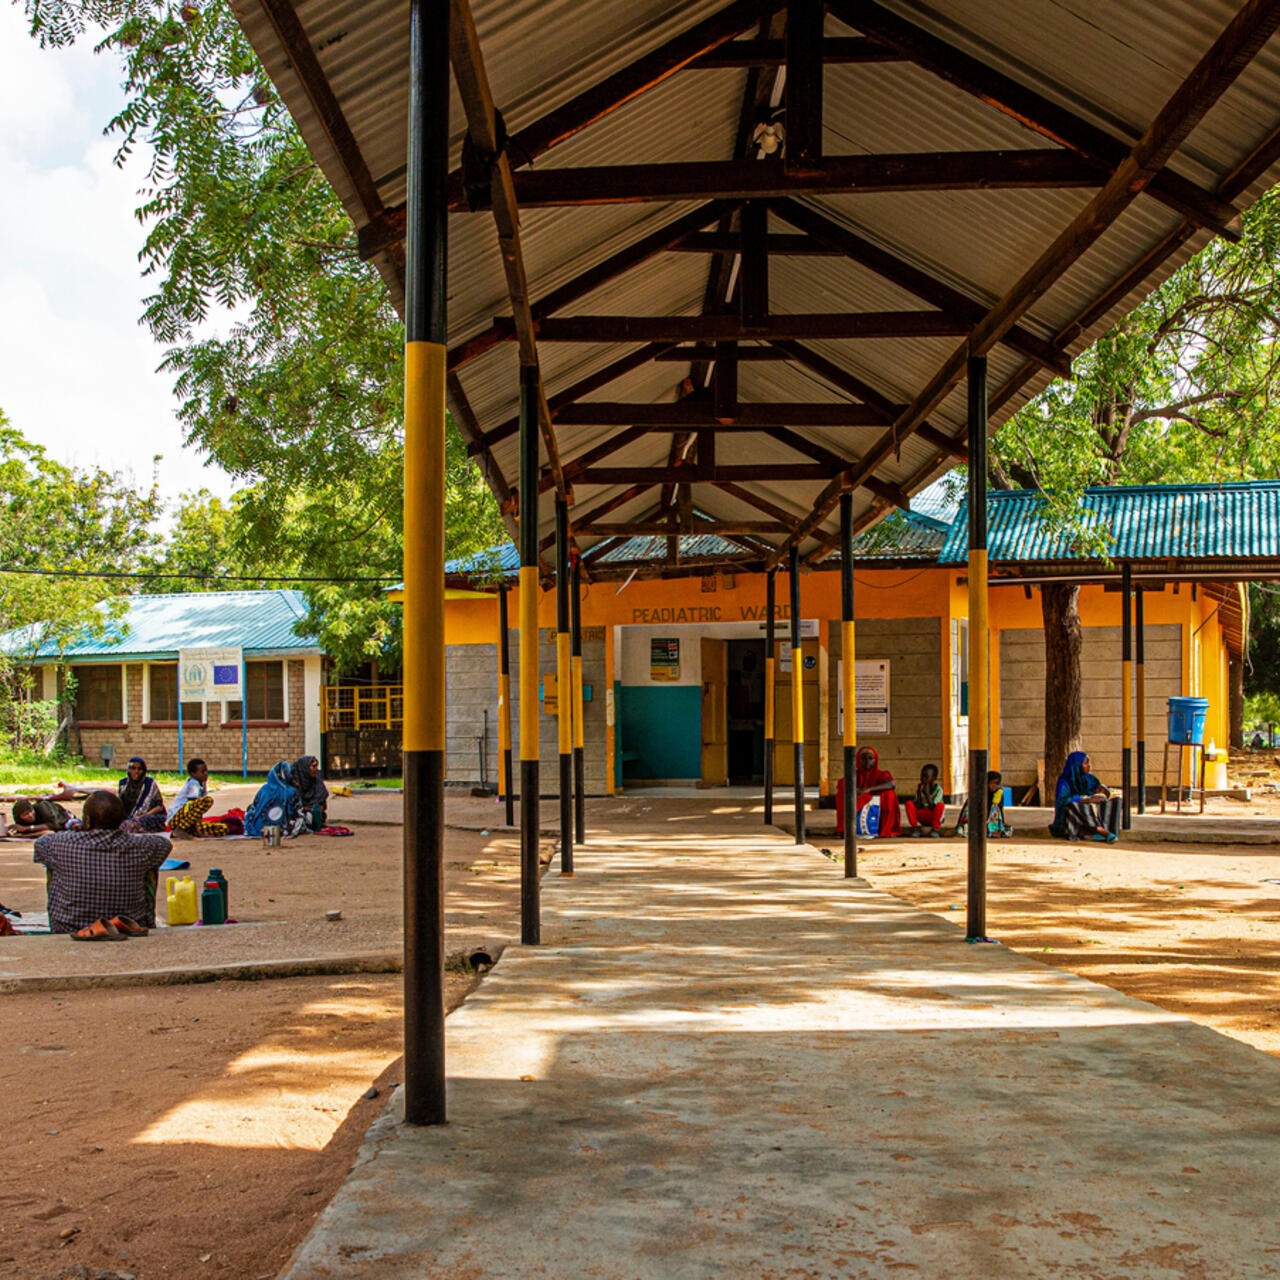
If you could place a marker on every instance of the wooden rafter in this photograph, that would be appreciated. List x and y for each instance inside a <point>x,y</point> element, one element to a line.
<point>772,53</point>
<point>779,244</point>
<point>695,412</point>
<point>1230,54</point>
<point>842,175</point>
<point>911,278</point>
<point>687,474</point>
<point>730,328</point>
<point>1034,111</point>
<point>477,101</point>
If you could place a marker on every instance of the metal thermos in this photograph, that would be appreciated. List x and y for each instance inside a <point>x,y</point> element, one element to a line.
<point>271,837</point>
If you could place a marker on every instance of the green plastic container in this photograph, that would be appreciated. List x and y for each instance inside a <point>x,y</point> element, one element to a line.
<point>213,906</point>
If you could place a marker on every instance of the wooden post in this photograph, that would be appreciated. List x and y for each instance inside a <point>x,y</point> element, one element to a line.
<point>770,692</point>
<point>804,83</point>
<point>1140,636</point>
<point>797,694</point>
<point>504,707</point>
<point>1126,691</point>
<point>564,688</point>
<point>978,697</point>
<point>847,650</point>
<point>424,501</point>
<point>579,731</point>
<point>530,910</point>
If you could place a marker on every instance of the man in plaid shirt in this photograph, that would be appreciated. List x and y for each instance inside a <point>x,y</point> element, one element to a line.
<point>100,872</point>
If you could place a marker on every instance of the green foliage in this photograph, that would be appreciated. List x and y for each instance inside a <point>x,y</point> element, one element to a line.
<point>301,398</point>
<point>1262,672</point>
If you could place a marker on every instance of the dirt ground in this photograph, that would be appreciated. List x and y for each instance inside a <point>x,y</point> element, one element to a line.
<point>190,1130</point>
<point>1194,930</point>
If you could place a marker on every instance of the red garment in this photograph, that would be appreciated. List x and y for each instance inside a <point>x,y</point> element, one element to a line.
<point>890,818</point>
<point>924,817</point>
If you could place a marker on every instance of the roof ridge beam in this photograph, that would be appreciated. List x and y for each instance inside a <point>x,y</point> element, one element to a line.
<point>1033,110</point>
<point>729,328</point>
<point>763,52</point>
<point>698,412</point>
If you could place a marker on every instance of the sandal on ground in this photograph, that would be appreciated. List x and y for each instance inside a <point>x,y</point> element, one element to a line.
<point>130,928</point>
<point>99,931</point>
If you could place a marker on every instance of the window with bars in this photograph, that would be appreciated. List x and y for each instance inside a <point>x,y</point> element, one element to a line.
<point>162,684</point>
<point>264,690</point>
<point>99,692</point>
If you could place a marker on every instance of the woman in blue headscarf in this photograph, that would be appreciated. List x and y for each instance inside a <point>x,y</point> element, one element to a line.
<point>1083,809</point>
<point>276,804</point>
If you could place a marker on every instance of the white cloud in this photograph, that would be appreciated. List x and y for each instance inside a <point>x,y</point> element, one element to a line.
<point>77,371</point>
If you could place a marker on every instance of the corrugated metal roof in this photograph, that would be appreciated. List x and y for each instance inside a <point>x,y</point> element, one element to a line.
<point>1115,65</point>
<point>260,622</point>
<point>1238,521</point>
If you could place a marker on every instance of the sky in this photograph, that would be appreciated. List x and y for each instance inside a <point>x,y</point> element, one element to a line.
<point>78,373</point>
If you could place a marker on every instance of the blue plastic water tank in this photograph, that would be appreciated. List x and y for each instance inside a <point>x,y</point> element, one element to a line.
<point>1186,720</point>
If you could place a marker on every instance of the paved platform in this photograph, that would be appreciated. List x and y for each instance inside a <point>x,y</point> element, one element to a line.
<point>727,1061</point>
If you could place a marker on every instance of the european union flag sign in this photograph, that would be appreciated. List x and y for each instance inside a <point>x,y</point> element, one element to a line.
<point>210,674</point>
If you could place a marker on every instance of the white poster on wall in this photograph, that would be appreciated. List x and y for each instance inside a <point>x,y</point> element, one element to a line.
<point>871,690</point>
<point>210,675</point>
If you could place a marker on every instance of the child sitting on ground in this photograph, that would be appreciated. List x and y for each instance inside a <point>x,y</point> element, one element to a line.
<point>925,810</point>
<point>996,825</point>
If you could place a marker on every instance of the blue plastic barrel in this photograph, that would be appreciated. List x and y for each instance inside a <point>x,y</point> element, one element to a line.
<point>1186,720</point>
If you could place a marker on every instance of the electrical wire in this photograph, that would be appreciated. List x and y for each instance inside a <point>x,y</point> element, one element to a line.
<point>201,577</point>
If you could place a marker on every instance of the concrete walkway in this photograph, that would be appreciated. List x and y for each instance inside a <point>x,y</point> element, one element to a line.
<point>726,1061</point>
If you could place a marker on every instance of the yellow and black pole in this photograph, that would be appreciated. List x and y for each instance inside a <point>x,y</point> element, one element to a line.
<point>1140,653</point>
<point>579,733</point>
<point>979,804</point>
<point>1126,710</point>
<point>797,694</point>
<point>770,593</point>
<point>504,707</point>
<point>424,443</point>
<point>849,816</point>
<point>530,915</point>
<point>564,687</point>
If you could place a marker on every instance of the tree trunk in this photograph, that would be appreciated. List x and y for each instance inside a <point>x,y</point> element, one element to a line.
<point>1237,703</point>
<point>1063,641</point>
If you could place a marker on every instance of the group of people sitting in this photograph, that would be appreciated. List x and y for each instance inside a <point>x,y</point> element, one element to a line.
<point>1084,809</point>
<point>294,798</point>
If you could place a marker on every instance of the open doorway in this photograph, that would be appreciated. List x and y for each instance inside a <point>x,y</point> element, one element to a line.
<point>745,708</point>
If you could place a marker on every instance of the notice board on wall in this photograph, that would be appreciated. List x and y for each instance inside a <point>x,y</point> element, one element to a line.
<point>664,659</point>
<point>871,691</point>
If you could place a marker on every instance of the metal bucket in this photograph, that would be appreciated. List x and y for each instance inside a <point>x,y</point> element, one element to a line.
<point>272,836</point>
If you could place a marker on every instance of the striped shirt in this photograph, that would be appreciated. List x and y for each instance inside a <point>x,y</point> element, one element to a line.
<point>98,874</point>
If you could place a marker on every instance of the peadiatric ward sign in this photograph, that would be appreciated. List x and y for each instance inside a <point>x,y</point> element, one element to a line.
<point>706,613</point>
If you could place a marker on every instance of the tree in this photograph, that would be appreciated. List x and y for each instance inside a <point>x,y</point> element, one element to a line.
<point>1182,389</point>
<point>301,397</point>
<point>58,522</point>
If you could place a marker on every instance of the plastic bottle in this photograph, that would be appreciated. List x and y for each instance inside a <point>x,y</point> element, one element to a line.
<point>213,910</point>
<point>181,902</point>
<point>215,873</point>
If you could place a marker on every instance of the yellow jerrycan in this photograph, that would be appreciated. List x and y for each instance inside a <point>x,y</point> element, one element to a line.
<point>183,902</point>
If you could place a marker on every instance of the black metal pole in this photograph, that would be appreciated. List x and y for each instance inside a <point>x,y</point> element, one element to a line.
<point>797,694</point>
<point>1141,640</point>
<point>530,911</point>
<point>564,682</point>
<point>1126,712</point>
<point>847,650</point>
<point>579,729</point>
<point>504,722</point>
<point>770,691</point>
<point>976,925</point>
<point>424,424</point>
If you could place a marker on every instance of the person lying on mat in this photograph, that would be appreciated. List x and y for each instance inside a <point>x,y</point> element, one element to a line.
<point>874,781</point>
<point>102,880</point>
<point>186,813</point>
<point>35,817</point>
<point>1083,809</point>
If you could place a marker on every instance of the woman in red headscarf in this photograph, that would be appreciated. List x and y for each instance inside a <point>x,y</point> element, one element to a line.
<point>875,781</point>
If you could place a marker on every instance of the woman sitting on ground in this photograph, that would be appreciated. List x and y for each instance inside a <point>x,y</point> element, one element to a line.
<point>186,813</point>
<point>1083,809</point>
<point>313,795</point>
<point>926,809</point>
<point>874,781</point>
<point>276,804</point>
<point>143,804</point>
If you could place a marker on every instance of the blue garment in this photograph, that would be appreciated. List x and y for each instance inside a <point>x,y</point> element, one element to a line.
<point>1073,785</point>
<point>276,804</point>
